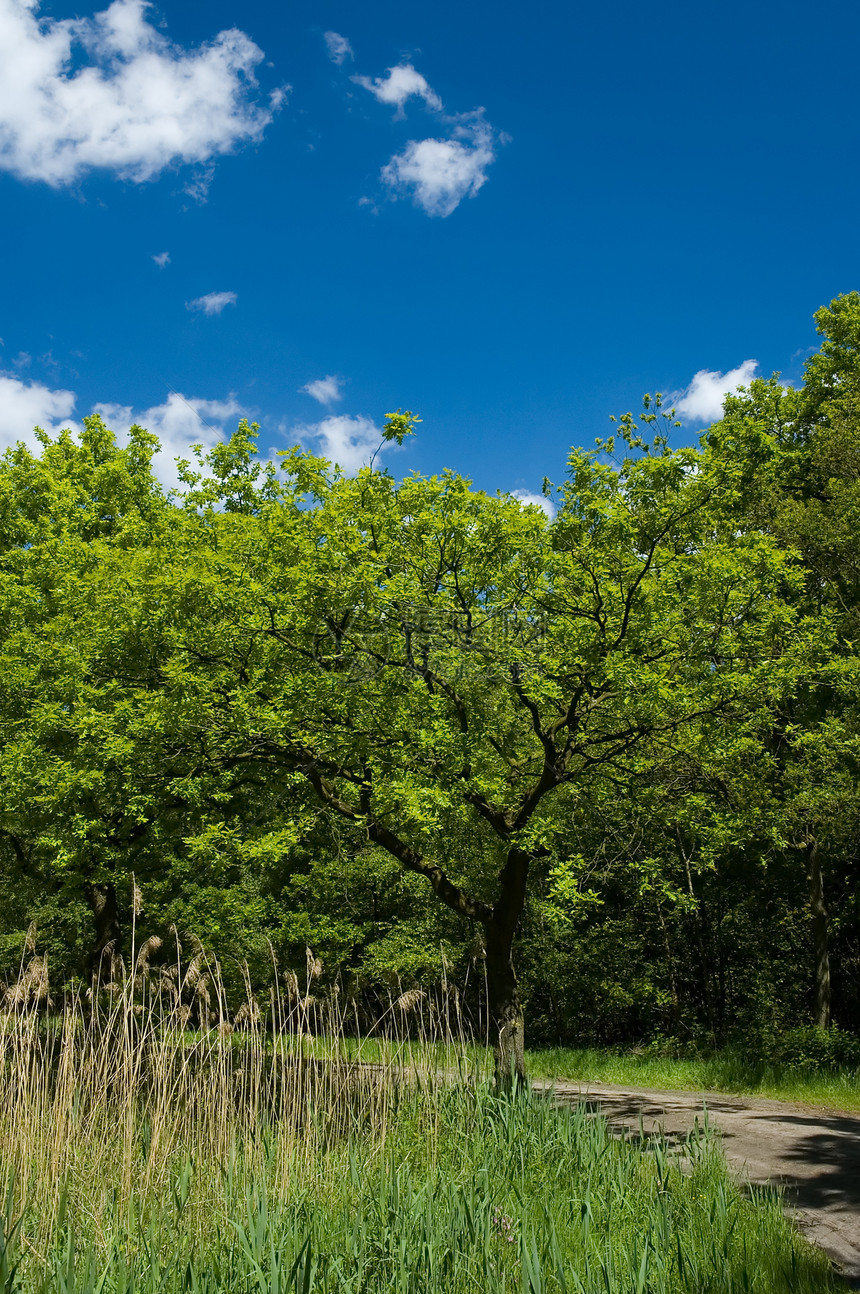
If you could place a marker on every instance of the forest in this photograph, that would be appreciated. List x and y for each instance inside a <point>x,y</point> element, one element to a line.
<point>595,764</point>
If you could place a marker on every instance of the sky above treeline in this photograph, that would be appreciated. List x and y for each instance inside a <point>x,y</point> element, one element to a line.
<point>514,219</point>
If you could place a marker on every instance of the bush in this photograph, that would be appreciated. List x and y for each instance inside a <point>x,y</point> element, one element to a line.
<point>812,1047</point>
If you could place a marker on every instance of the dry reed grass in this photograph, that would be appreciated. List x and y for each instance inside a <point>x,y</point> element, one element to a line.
<point>151,1140</point>
<point>148,1069</point>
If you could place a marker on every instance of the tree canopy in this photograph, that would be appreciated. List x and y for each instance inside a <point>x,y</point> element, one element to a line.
<point>301,705</point>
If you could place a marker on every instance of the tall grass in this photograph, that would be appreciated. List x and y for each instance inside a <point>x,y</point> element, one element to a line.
<point>263,1154</point>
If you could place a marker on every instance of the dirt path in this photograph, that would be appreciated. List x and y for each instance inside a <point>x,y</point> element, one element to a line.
<point>814,1154</point>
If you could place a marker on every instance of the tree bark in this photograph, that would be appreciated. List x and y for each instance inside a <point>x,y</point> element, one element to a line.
<point>503,1001</point>
<point>105,909</point>
<point>820,937</point>
<point>506,1016</point>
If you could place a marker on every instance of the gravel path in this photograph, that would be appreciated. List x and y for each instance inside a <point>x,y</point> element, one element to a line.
<point>813,1153</point>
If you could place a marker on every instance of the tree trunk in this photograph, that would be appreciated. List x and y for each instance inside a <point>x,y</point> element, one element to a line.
<point>818,909</point>
<point>105,909</point>
<point>506,1014</point>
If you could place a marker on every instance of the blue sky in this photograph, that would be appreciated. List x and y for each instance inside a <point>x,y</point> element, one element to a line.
<point>512,218</point>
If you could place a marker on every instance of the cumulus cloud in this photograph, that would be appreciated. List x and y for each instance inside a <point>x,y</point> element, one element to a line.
<point>25,405</point>
<point>348,441</point>
<point>529,498</point>
<point>702,400</point>
<point>213,303</point>
<point>439,173</point>
<point>179,423</point>
<point>326,390</point>
<point>161,259</point>
<point>338,47</point>
<point>400,83</point>
<point>113,92</point>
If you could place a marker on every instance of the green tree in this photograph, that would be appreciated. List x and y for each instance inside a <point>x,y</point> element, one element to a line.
<point>449,671</point>
<point>99,759</point>
<point>794,458</point>
<point>65,818</point>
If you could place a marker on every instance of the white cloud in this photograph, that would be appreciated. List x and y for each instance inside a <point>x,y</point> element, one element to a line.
<point>400,84</point>
<point>441,172</point>
<point>213,303</point>
<point>199,184</point>
<point>702,400</point>
<point>338,47</point>
<point>25,405</point>
<point>528,497</point>
<point>326,390</point>
<point>348,441</point>
<point>179,423</point>
<point>162,259</point>
<point>113,92</point>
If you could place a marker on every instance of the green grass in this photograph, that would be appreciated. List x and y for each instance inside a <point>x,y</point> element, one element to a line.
<point>141,1157</point>
<point>461,1192</point>
<point>730,1071</point>
<point>727,1071</point>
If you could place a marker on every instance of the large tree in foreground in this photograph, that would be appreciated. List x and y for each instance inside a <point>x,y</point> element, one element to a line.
<point>449,671</point>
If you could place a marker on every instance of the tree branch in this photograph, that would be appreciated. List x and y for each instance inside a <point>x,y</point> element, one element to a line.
<point>443,887</point>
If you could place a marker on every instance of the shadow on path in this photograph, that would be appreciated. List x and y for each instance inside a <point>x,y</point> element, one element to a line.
<point>813,1155</point>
